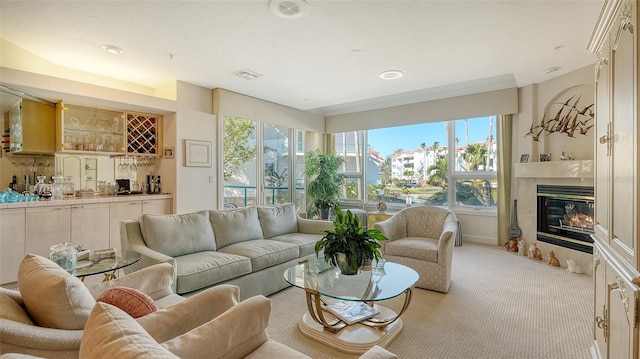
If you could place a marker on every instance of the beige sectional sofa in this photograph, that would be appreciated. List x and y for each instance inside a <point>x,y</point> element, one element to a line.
<point>249,247</point>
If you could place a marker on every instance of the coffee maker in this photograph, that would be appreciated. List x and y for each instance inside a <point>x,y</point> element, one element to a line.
<point>151,182</point>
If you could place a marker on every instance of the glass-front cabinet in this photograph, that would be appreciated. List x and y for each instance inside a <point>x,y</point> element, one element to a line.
<point>85,129</point>
<point>30,127</point>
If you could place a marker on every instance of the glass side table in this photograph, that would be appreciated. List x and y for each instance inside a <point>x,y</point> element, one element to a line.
<point>108,266</point>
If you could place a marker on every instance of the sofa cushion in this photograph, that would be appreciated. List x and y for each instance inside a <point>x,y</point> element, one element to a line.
<point>425,249</point>
<point>53,297</point>
<point>112,333</point>
<point>204,269</point>
<point>178,234</point>
<point>12,311</point>
<point>236,225</point>
<point>134,302</point>
<point>305,242</point>
<point>278,219</point>
<point>264,253</point>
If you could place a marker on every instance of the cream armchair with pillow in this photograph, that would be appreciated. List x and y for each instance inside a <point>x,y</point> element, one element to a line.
<point>422,238</point>
<point>47,315</point>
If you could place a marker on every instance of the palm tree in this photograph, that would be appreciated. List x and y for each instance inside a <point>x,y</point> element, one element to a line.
<point>439,173</point>
<point>475,155</point>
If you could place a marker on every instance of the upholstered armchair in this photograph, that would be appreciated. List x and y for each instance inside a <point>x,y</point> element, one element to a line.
<point>46,316</point>
<point>422,238</point>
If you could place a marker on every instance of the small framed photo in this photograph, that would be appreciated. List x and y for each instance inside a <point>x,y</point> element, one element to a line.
<point>168,152</point>
<point>545,157</point>
<point>524,158</point>
<point>197,153</point>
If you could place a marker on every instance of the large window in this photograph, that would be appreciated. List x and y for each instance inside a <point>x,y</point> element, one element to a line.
<point>260,166</point>
<point>413,161</point>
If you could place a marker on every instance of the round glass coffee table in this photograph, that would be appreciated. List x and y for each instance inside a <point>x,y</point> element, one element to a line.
<point>108,266</point>
<point>342,309</point>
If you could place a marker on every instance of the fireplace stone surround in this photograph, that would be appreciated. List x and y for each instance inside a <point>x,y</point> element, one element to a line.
<point>554,173</point>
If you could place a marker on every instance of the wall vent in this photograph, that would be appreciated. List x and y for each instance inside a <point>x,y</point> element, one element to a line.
<point>247,74</point>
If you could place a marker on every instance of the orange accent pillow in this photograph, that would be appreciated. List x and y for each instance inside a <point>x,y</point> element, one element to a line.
<point>132,301</point>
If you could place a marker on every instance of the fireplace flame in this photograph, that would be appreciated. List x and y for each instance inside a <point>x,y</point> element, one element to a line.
<point>578,220</point>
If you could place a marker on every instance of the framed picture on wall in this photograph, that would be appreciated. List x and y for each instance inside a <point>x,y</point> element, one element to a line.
<point>197,153</point>
<point>168,152</point>
<point>524,158</point>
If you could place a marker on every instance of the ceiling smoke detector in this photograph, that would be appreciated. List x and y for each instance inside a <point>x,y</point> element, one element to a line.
<point>289,9</point>
<point>247,74</point>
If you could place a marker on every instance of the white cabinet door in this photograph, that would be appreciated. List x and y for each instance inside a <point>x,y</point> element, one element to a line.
<point>121,211</point>
<point>622,333</point>
<point>156,206</point>
<point>600,302</point>
<point>12,243</point>
<point>624,127</point>
<point>47,226</point>
<point>90,225</point>
<point>604,143</point>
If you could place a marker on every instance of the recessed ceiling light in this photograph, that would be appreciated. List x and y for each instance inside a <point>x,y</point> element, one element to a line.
<point>551,69</point>
<point>391,74</point>
<point>112,49</point>
<point>289,9</point>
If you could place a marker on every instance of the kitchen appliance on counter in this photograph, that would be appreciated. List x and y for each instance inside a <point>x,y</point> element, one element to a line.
<point>124,186</point>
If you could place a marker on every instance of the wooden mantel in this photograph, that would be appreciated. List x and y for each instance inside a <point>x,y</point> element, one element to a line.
<point>555,169</point>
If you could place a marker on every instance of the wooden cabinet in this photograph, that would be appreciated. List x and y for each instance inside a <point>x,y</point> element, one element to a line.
<point>84,129</point>
<point>144,134</point>
<point>156,206</point>
<point>31,127</point>
<point>616,261</point>
<point>90,225</point>
<point>121,211</point>
<point>47,226</point>
<point>12,243</point>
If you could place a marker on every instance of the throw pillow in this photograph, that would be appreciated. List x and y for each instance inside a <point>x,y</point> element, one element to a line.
<point>112,333</point>
<point>11,310</point>
<point>132,301</point>
<point>236,225</point>
<point>278,220</point>
<point>53,297</point>
<point>178,234</point>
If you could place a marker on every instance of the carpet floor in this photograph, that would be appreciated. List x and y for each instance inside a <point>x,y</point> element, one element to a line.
<point>500,305</point>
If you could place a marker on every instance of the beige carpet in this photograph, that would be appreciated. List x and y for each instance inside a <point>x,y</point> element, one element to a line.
<point>500,305</point>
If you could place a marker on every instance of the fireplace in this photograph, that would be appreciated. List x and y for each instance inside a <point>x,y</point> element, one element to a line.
<point>565,216</point>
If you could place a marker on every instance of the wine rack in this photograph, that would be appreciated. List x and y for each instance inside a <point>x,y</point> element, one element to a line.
<point>143,134</point>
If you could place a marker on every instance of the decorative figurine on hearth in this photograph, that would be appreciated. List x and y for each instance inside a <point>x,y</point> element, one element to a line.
<point>521,247</point>
<point>512,245</point>
<point>534,252</point>
<point>572,267</point>
<point>553,261</point>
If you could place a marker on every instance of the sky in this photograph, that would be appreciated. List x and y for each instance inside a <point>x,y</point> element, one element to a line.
<point>387,140</point>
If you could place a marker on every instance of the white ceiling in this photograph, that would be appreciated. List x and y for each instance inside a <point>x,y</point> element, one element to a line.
<point>328,61</point>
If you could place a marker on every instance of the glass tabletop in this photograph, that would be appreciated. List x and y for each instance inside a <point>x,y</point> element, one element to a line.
<point>122,259</point>
<point>377,284</point>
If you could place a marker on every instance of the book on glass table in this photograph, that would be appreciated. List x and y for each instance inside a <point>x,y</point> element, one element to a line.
<point>352,312</point>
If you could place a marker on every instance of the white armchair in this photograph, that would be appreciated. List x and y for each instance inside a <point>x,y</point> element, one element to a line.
<point>46,317</point>
<point>422,238</point>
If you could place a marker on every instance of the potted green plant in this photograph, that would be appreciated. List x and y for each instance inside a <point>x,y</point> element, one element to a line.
<point>348,245</point>
<point>325,187</point>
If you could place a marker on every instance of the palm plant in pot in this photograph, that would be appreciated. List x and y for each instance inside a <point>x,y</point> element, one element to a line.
<point>325,187</point>
<point>348,245</point>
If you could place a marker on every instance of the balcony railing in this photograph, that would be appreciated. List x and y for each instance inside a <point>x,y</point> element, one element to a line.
<point>248,194</point>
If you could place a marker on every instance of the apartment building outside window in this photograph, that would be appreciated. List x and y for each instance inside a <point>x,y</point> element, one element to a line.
<point>413,161</point>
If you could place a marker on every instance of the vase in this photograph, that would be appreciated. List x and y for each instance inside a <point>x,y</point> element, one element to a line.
<point>348,265</point>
